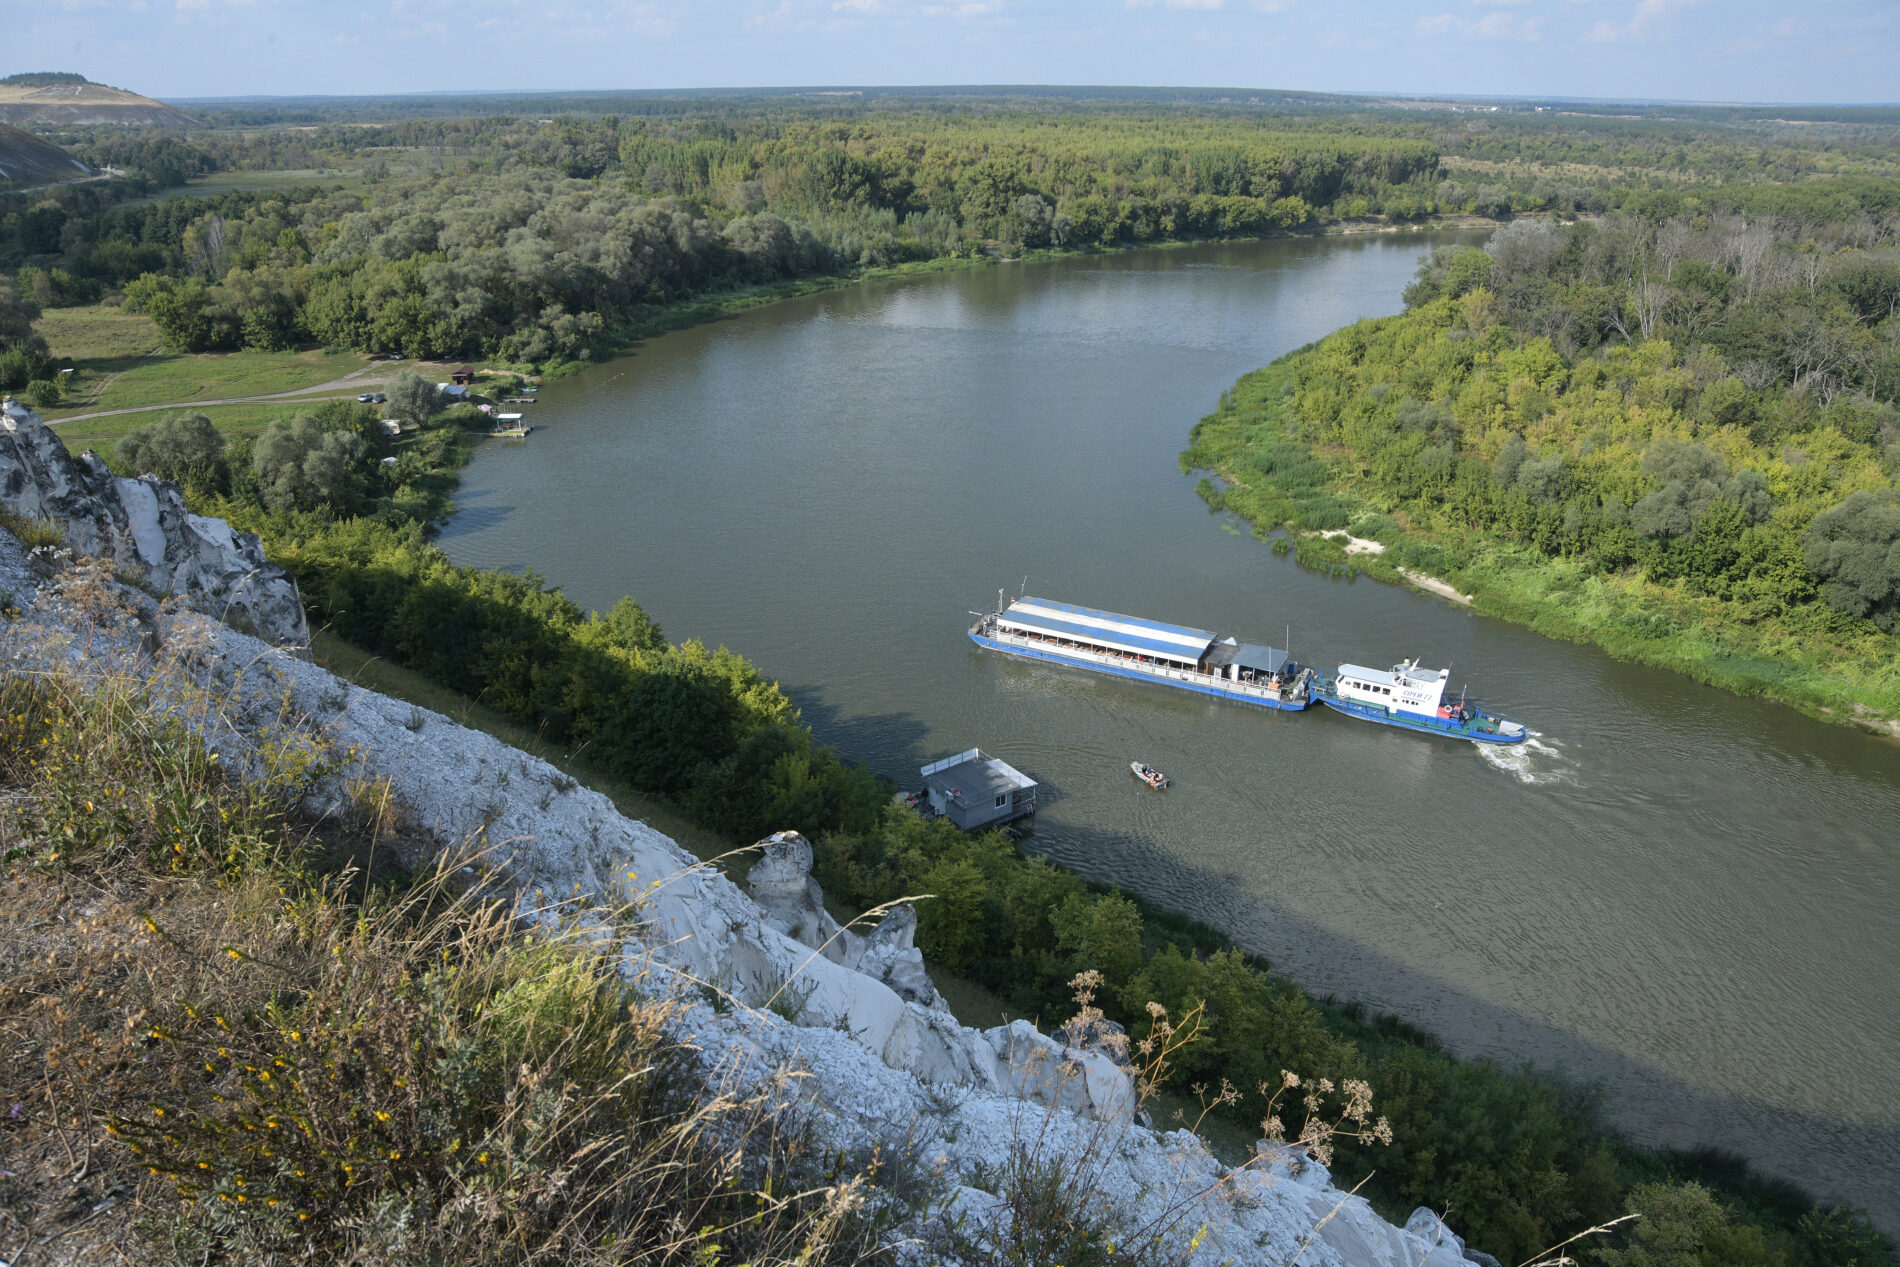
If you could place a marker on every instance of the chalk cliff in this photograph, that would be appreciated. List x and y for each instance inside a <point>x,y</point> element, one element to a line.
<point>142,528</point>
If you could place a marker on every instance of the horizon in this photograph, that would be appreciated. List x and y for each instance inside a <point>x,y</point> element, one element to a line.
<point>1005,89</point>
<point>1836,53</point>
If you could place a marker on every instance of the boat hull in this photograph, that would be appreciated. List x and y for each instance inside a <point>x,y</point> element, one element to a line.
<point>1422,725</point>
<point>1077,662</point>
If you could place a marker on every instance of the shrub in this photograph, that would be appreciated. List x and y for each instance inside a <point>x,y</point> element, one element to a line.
<point>1855,549</point>
<point>185,448</point>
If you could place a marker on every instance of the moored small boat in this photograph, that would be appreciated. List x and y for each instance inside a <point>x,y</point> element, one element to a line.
<point>1149,775</point>
<point>1413,698</point>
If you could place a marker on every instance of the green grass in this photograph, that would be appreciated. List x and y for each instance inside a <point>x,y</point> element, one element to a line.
<point>232,420</point>
<point>134,382</point>
<point>97,332</point>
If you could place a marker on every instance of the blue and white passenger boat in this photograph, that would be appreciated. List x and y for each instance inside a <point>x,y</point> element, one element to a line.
<point>1147,650</point>
<point>1413,699</point>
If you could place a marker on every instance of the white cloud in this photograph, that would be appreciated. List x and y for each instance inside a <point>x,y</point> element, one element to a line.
<point>1642,22</point>
<point>1176,4</point>
<point>1499,24</point>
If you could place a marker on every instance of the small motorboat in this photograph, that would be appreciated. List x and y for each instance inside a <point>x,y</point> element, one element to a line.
<point>1149,775</point>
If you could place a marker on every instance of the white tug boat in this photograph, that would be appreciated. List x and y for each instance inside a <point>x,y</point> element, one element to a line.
<point>1413,698</point>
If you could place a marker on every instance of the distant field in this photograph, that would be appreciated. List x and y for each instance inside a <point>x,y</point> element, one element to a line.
<point>401,163</point>
<point>118,364</point>
<point>244,182</point>
<point>97,333</point>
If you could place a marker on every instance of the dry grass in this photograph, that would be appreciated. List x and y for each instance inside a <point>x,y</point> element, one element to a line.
<point>219,1040</point>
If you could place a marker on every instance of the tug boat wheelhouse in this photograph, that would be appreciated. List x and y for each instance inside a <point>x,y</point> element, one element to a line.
<point>1414,699</point>
<point>1126,646</point>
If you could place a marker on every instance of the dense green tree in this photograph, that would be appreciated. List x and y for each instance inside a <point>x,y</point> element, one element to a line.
<point>185,448</point>
<point>414,398</point>
<point>298,465</point>
<point>1103,933</point>
<point>18,312</point>
<point>1855,549</point>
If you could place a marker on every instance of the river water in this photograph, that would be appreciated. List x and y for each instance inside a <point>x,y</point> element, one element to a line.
<point>1688,896</point>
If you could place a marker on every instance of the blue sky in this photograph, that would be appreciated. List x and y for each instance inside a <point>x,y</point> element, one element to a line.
<point>1718,50</point>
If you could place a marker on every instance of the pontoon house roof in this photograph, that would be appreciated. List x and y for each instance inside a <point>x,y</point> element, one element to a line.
<point>971,778</point>
<point>1124,633</point>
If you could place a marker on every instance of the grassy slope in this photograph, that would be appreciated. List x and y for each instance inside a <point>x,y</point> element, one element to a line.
<point>119,364</point>
<point>27,160</point>
<point>1841,679</point>
<point>200,1013</point>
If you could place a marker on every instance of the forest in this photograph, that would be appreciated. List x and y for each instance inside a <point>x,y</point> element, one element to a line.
<point>540,242</point>
<point>1672,434</point>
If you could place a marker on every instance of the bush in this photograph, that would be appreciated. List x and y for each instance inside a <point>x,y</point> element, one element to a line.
<point>184,448</point>
<point>43,393</point>
<point>1855,549</point>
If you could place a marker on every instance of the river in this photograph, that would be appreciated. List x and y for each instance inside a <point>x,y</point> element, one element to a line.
<point>1688,896</point>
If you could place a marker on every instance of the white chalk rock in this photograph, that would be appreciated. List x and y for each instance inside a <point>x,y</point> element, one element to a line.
<point>142,526</point>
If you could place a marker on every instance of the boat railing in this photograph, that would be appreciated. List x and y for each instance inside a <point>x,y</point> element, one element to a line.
<point>1148,667</point>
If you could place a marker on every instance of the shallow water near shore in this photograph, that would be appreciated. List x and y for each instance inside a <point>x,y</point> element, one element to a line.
<point>1689,896</point>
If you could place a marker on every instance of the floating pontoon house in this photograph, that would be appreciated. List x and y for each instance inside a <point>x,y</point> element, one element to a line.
<point>973,790</point>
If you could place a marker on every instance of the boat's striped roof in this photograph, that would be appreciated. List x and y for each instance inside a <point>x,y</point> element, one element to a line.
<point>1124,633</point>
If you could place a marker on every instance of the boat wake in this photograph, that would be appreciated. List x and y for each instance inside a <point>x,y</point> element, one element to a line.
<point>1539,759</point>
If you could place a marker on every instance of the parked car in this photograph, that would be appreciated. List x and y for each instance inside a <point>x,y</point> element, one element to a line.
<point>380,399</point>
<point>365,398</point>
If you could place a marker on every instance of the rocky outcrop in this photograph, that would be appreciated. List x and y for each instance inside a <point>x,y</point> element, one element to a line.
<point>142,528</point>
<point>771,982</point>
<point>780,882</point>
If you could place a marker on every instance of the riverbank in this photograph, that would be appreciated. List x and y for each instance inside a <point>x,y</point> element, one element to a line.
<point>1276,475</point>
<point>718,307</point>
<point>122,371</point>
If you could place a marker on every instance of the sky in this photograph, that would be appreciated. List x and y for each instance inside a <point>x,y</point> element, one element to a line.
<point>1703,50</point>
